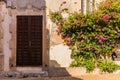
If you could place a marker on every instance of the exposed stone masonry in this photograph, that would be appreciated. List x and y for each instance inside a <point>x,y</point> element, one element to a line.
<point>18,74</point>
<point>1,37</point>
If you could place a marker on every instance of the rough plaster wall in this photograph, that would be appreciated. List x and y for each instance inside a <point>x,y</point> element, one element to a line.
<point>60,53</point>
<point>71,5</point>
<point>6,36</point>
<point>1,40</point>
<point>60,56</point>
<point>54,5</point>
<point>75,6</point>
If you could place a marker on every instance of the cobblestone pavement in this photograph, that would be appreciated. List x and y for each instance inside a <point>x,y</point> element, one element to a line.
<point>82,77</point>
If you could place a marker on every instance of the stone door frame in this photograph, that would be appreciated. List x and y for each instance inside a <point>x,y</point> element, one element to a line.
<point>13,27</point>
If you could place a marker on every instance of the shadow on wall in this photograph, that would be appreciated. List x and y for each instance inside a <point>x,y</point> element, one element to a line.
<point>57,71</point>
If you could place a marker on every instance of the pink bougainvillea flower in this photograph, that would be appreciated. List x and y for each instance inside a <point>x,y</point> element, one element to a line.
<point>104,46</point>
<point>58,32</point>
<point>58,25</point>
<point>107,6</point>
<point>94,49</point>
<point>67,38</point>
<point>62,36</point>
<point>101,41</point>
<point>107,38</point>
<point>115,14</point>
<point>106,17</point>
<point>99,36</point>
<point>78,19</point>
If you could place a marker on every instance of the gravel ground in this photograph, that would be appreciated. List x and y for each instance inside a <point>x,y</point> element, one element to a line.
<point>82,77</point>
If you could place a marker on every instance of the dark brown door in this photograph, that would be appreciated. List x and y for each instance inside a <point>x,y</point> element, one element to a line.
<point>29,41</point>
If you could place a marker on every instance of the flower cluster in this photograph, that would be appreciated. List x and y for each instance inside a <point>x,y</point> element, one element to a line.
<point>106,17</point>
<point>101,38</point>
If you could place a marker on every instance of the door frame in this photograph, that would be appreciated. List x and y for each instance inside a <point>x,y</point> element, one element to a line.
<point>13,30</point>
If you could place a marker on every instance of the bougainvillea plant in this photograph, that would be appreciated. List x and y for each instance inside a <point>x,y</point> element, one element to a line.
<point>92,37</point>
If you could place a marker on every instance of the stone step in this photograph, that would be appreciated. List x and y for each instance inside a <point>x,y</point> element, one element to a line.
<point>23,74</point>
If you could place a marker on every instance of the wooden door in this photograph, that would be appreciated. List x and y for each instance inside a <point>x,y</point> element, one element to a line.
<point>29,41</point>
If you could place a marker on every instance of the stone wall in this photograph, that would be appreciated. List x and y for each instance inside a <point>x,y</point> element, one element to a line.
<point>1,39</point>
<point>6,35</point>
<point>31,11</point>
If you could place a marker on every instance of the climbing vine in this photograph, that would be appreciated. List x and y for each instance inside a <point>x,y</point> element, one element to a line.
<point>92,37</point>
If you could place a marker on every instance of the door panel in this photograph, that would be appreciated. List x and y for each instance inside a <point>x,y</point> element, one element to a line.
<point>29,41</point>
